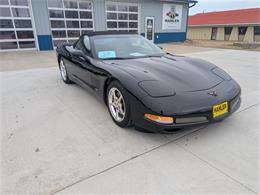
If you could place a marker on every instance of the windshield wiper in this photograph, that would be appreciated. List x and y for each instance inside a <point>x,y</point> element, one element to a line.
<point>152,56</point>
<point>116,58</point>
<point>135,57</point>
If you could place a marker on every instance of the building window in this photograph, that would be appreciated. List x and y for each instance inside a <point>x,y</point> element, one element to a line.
<point>16,29</point>
<point>257,33</point>
<point>69,19</point>
<point>122,16</point>
<point>241,33</point>
<point>228,30</point>
<point>227,33</point>
<point>242,30</point>
<point>256,30</point>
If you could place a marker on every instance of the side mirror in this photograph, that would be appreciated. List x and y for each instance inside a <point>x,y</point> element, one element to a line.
<point>79,54</point>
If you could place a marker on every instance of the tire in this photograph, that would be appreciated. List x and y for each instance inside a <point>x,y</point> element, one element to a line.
<point>63,71</point>
<point>118,104</point>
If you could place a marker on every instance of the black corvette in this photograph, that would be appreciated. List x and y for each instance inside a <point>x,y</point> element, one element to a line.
<point>146,87</point>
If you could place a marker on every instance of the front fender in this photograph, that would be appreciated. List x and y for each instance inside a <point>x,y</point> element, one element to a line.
<point>128,81</point>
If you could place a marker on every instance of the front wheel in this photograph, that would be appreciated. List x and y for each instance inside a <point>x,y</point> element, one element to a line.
<point>118,104</point>
<point>63,71</point>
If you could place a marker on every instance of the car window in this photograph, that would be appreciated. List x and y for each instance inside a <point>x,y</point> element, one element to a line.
<point>135,42</point>
<point>86,42</point>
<point>124,46</point>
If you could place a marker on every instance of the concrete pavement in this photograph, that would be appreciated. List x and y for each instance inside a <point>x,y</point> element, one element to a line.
<point>59,139</point>
<point>20,60</point>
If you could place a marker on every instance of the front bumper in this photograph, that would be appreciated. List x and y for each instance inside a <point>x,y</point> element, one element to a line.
<point>184,120</point>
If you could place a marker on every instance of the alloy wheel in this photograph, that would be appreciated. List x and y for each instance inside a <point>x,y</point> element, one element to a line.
<point>63,70</point>
<point>116,104</point>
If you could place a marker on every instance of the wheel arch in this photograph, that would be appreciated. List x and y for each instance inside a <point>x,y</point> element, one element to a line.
<point>128,82</point>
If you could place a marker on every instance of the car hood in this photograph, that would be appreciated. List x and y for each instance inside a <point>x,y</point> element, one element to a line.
<point>167,75</point>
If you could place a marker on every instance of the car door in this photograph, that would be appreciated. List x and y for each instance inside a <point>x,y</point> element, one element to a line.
<point>81,62</point>
<point>96,74</point>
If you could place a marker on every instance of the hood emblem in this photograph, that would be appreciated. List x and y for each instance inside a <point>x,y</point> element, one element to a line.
<point>213,93</point>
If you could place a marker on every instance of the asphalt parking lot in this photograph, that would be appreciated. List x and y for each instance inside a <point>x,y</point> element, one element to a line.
<point>58,139</point>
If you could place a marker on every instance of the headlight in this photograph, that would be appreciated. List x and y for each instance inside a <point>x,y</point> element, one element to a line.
<point>156,88</point>
<point>159,119</point>
<point>221,73</point>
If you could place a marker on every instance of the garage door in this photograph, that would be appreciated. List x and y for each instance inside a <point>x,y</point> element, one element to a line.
<point>16,26</point>
<point>122,16</point>
<point>69,19</point>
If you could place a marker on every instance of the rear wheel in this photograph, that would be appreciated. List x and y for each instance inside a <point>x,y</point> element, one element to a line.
<point>118,104</point>
<point>63,71</point>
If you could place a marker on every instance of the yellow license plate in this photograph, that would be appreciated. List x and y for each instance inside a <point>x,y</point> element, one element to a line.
<point>220,109</point>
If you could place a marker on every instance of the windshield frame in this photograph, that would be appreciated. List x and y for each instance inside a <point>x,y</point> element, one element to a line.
<point>94,51</point>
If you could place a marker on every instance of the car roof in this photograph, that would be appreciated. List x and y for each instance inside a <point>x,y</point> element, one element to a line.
<point>96,33</point>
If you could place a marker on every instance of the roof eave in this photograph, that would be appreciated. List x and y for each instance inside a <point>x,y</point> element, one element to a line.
<point>180,1</point>
<point>234,24</point>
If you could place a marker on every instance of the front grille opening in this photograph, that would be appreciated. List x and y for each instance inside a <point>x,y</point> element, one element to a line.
<point>172,130</point>
<point>188,120</point>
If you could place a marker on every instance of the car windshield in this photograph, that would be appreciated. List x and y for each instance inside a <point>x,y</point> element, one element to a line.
<point>124,47</point>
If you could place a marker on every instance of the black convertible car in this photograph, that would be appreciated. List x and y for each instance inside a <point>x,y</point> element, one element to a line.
<point>146,87</point>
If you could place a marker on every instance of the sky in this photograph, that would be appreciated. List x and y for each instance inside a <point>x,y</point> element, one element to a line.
<point>220,5</point>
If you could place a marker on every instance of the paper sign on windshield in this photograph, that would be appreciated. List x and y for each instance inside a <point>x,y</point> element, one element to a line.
<point>106,54</point>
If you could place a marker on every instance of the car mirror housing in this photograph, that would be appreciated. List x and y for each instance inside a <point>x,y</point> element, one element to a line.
<point>81,55</point>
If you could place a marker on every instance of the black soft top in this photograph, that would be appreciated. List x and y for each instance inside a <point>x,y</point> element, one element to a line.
<point>96,33</point>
